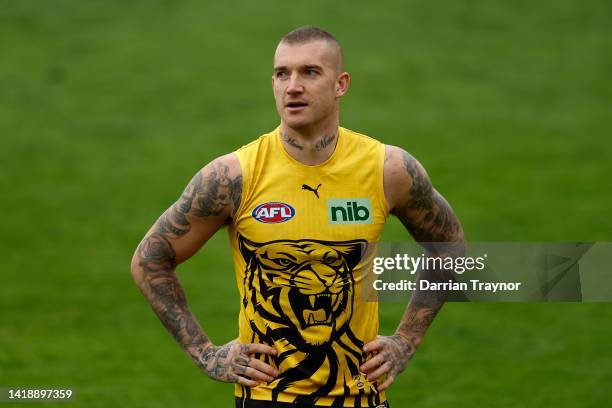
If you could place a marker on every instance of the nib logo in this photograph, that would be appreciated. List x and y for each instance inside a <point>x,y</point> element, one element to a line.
<point>349,211</point>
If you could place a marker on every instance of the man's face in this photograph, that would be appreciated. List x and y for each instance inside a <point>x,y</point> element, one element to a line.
<point>307,82</point>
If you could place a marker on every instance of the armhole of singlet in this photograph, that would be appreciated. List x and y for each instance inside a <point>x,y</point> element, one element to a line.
<point>246,183</point>
<point>381,177</point>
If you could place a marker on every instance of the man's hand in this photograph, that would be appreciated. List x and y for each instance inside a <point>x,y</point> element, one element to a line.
<point>391,356</point>
<point>232,363</point>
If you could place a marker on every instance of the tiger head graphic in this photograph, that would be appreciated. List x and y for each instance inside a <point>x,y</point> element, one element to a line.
<point>300,291</point>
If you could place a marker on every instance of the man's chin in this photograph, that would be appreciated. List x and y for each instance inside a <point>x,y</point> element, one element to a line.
<point>296,122</point>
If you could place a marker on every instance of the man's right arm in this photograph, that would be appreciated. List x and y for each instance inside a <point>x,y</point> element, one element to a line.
<point>208,202</point>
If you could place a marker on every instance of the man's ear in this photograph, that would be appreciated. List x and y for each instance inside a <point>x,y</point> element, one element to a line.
<point>342,84</point>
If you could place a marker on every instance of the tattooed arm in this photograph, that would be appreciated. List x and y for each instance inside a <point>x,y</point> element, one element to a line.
<point>208,202</point>
<point>429,219</point>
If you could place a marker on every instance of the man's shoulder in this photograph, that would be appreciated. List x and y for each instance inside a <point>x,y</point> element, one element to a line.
<point>402,174</point>
<point>396,157</point>
<point>221,167</point>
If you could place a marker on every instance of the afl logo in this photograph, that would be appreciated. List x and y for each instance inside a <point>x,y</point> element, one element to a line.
<point>273,213</point>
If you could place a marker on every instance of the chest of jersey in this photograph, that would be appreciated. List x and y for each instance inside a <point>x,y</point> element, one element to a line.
<point>341,199</point>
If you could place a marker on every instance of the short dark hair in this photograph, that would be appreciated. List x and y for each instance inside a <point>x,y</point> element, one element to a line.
<point>305,34</point>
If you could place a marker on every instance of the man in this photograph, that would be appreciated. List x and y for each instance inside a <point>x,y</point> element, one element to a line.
<point>302,203</point>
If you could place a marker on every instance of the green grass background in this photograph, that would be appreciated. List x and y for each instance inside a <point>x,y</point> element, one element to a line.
<point>107,108</point>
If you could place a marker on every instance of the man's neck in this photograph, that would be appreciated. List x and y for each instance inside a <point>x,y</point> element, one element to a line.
<point>308,146</point>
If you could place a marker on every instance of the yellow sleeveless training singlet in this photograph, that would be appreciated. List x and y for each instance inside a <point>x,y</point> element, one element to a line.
<point>297,242</point>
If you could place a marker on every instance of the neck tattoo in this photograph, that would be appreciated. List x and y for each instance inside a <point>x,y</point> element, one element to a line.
<point>319,145</point>
<point>291,141</point>
<point>324,142</point>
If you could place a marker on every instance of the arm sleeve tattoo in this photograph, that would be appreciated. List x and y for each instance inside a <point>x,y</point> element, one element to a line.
<point>432,223</point>
<point>211,193</point>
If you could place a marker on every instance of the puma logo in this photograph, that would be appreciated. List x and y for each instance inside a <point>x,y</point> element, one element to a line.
<point>314,190</point>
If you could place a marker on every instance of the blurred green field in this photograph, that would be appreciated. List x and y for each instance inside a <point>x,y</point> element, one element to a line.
<point>107,108</point>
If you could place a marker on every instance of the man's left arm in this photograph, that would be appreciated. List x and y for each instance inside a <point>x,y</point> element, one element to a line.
<point>429,219</point>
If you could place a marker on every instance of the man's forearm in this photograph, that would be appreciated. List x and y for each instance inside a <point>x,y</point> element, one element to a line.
<point>418,316</point>
<point>153,270</point>
<point>425,304</point>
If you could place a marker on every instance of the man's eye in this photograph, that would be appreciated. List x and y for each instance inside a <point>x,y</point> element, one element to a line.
<point>281,74</point>
<point>311,72</point>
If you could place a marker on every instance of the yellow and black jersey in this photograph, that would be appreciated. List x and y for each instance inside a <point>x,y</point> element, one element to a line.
<point>298,242</point>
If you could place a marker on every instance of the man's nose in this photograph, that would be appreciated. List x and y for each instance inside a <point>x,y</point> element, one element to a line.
<point>295,85</point>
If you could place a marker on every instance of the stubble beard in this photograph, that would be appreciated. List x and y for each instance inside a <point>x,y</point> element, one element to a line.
<point>309,123</point>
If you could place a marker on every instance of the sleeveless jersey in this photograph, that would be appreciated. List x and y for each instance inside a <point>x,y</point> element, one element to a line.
<point>298,241</point>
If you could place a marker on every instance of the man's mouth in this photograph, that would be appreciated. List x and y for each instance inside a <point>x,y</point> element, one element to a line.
<point>295,106</point>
